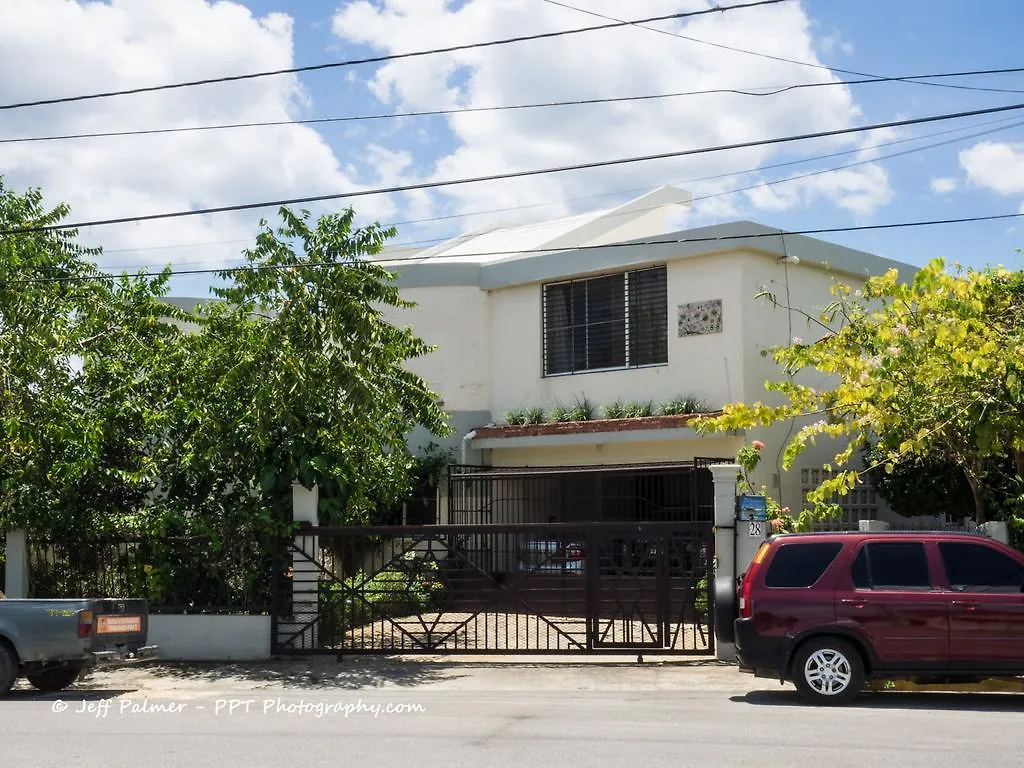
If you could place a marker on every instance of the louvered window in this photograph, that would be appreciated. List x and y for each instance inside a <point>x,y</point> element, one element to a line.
<point>606,322</point>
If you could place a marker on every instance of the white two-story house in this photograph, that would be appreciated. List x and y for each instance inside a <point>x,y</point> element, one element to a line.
<point>606,310</point>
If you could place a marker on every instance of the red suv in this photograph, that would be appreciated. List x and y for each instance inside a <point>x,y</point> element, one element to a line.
<point>829,611</point>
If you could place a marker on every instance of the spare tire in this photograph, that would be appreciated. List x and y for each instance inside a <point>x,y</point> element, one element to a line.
<point>725,610</point>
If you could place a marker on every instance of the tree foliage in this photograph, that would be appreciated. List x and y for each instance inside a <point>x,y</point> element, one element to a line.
<point>112,418</point>
<point>76,349</point>
<point>929,370</point>
<point>295,376</point>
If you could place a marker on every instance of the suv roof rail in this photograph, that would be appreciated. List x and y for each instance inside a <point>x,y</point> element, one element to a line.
<point>890,531</point>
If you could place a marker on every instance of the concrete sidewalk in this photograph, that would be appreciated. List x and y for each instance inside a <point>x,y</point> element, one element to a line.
<point>454,673</point>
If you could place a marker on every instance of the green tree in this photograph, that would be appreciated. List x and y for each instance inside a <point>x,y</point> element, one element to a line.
<point>296,376</point>
<point>929,370</point>
<point>75,408</point>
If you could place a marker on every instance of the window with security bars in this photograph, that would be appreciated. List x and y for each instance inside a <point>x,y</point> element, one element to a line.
<point>606,322</point>
<point>861,503</point>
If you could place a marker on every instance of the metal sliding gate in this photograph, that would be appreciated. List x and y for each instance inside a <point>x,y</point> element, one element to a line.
<point>586,587</point>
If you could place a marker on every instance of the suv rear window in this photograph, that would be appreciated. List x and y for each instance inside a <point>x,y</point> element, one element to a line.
<point>892,565</point>
<point>800,565</point>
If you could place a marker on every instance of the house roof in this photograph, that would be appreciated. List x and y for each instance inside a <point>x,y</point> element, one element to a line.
<point>502,242</point>
<point>553,264</point>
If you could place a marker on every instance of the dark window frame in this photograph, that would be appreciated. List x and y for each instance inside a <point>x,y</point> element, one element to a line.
<point>567,345</point>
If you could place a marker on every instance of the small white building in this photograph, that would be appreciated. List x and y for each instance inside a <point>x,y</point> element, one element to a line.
<point>608,308</point>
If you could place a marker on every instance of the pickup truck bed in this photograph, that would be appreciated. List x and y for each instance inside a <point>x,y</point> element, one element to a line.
<point>51,642</point>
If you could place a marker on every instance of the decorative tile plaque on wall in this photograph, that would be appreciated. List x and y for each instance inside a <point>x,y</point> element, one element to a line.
<point>700,317</point>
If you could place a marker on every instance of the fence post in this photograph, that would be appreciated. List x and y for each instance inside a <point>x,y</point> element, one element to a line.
<point>997,530</point>
<point>725,555</point>
<point>872,526</point>
<point>305,556</point>
<point>16,569</point>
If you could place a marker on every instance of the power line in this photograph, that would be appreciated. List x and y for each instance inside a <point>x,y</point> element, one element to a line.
<point>635,244</point>
<point>918,80</point>
<point>761,91</point>
<point>724,193</point>
<point>389,57</point>
<point>515,174</point>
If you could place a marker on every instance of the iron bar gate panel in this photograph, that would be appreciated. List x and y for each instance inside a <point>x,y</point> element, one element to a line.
<point>526,588</point>
<point>631,493</point>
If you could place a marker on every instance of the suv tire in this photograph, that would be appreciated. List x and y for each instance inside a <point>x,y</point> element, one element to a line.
<point>828,671</point>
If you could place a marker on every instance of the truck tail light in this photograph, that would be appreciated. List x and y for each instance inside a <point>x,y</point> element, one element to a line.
<point>746,603</point>
<point>84,624</point>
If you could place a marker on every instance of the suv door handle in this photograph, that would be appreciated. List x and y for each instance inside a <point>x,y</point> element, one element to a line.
<point>963,605</point>
<point>855,602</point>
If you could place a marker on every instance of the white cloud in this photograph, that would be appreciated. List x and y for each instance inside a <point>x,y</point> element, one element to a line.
<point>63,48</point>
<point>861,191</point>
<point>944,185</point>
<point>997,166</point>
<point>615,62</point>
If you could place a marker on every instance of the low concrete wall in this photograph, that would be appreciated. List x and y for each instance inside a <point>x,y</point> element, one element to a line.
<point>211,638</point>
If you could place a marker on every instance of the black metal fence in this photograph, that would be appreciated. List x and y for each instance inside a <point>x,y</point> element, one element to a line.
<point>551,588</point>
<point>677,492</point>
<point>176,574</point>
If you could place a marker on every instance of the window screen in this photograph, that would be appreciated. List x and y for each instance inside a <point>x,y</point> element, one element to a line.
<point>800,565</point>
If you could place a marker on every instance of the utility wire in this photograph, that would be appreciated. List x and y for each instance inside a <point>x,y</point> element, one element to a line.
<point>725,193</point>
<point>515,174</point>
<point>389,57</point>
<point>762,91</point>
<point>634,244</point>
<point>918,80</point>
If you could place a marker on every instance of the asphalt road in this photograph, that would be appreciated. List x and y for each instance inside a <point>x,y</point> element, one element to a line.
<point>619,717</point>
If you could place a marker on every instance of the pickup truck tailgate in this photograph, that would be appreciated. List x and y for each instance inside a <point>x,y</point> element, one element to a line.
<point>119,623</point>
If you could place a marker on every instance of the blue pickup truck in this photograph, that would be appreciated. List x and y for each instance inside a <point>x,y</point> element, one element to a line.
<point>52,642</point>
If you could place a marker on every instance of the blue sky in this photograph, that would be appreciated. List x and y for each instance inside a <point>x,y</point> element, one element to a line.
<point>126,43</point>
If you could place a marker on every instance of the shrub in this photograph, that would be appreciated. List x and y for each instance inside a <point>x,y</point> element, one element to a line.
<point>582,410</point>
<point>516,417</point>
<point>559,413</point>
<point>638,409</point>
<point>682,406</point>
<point>408,587</point>
<point>616,410</point>
<point>535,416</point>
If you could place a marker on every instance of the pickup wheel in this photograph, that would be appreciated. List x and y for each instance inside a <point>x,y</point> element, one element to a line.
<point>828,671</point>
<point>8,668</point>
<point>53,679</point>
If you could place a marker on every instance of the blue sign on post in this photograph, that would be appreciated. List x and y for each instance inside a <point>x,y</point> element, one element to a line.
<point>753,508</point>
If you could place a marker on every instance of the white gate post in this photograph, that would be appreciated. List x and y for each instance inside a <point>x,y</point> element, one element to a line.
<point>725,545</point>
<point>305,556</point>
<point>16,567</point>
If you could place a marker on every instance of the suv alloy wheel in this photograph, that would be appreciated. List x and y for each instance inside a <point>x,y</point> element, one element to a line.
<point>829,671</point>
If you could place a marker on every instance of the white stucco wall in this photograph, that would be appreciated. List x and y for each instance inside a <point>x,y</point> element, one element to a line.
<point>455,320</point>
<point>765,326</point>
<point>210,638</point>
<point>709,367</point>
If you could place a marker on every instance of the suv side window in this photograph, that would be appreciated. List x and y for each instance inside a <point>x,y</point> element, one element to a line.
<point>977,568</point>
<point>891,565</point>
<point>800,565</point>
